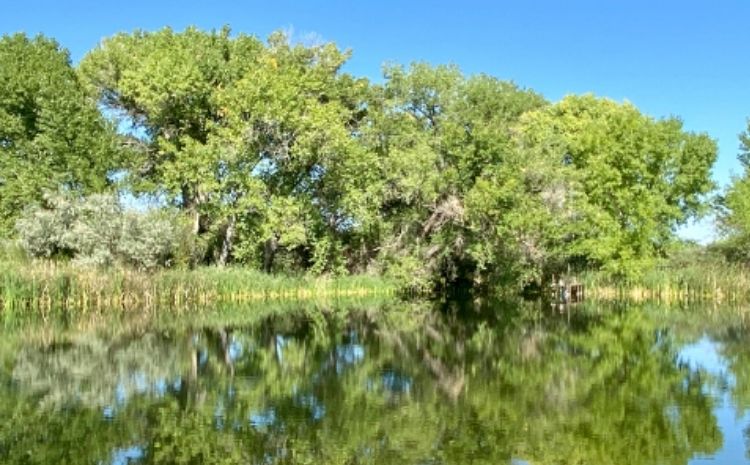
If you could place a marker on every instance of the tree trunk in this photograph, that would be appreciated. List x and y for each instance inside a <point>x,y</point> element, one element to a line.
<point>269,253</point>
<point>226,246</point>
<point>196,222</point>
<point>190,204</point>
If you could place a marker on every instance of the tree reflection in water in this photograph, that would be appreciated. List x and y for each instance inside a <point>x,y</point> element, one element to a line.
<point>492,385</point>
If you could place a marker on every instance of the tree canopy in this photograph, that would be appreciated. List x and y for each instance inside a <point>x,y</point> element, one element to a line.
<point>734,208</point>
<point>631,179</point>
<point>52,135</point>
<point>280,160</point>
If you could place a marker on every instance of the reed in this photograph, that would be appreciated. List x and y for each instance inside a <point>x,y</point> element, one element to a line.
<point>49,287</point>
<point>699,282</point>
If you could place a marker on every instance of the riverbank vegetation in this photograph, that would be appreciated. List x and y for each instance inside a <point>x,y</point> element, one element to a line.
<point>694,274</point>
<point>49,287</point>
<point>164,156</point>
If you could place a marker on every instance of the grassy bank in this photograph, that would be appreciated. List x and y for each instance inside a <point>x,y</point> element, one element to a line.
<point>48,286</point>
<point>675,282</point>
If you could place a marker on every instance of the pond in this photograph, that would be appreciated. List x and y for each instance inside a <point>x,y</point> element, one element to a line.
<point>380,383</point>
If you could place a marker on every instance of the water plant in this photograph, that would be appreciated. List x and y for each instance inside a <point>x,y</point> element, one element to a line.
<point>53,286</point>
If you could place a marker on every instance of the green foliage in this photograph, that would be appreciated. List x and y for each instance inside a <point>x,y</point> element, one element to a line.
<point>734,210</point>
<point>280,161</point>
<point>52,135</point>
<point>450,187</point>
<point>246,137</point>
<point>735,219</point>
<point>634,179</point>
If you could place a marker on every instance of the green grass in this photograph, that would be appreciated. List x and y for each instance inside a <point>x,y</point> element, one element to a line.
<point>676,282</point>
<point>49,286</point>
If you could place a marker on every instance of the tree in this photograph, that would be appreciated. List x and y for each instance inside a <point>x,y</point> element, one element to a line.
<point>635,178</point>
<point>231,129</point>
<point>291,127</point>
<point>445,144</point>
<point>164,85</point>
<point>52,136</point>
<point>734,220</point>
<point>734,208</point>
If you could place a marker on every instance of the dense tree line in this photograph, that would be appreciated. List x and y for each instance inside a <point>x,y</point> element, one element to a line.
<point>276,158</point>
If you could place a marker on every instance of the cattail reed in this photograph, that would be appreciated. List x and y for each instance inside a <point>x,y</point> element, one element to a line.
<point>695,283</point>
<point>54,287</point>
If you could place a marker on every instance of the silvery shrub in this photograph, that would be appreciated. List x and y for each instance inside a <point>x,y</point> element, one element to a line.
<point>97,231</point>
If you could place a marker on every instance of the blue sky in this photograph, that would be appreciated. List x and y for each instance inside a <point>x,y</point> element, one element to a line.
<point>686,58</point>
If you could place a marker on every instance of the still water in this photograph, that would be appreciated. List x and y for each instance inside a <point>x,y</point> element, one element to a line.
<point>380,383</point>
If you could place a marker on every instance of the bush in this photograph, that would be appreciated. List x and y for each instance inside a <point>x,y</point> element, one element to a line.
<point>97,231</point>
<point>46,233</point>
<point>408,270</point>
<point>147,240</point>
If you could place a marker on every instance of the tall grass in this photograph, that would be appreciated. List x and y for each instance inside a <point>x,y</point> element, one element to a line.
<point>52,286</point>
<point>675,282</point>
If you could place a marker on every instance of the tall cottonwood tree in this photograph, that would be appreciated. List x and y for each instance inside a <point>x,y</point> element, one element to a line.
<point>52,136</point>
<point>441,136</point>
<point>245,136</point>
<point>291,124</point>
<point>635,178</point>
<point>164,84</point>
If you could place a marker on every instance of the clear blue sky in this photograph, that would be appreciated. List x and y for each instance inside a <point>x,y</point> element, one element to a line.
<point>687,58</point>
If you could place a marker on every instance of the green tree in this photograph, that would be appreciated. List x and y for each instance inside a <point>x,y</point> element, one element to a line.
<point>164,85</point>
<point>635,178</point>
<point>734,220</point>
<point>52,136</point>
<point>734,208</point>
<point>447,154</point>
<point>235,131</point>
<point>291,125</point>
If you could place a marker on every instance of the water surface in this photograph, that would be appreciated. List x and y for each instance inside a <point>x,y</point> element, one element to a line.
<point>381,384</point>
